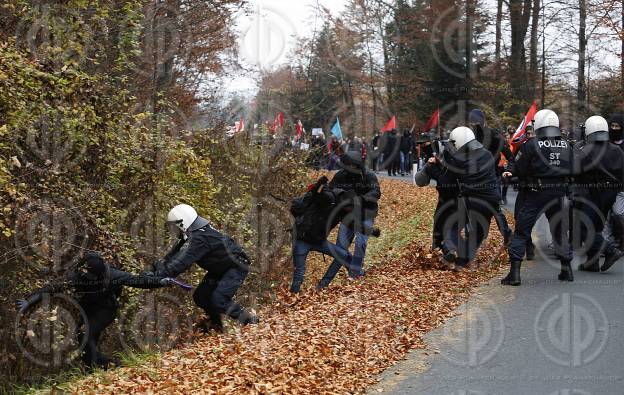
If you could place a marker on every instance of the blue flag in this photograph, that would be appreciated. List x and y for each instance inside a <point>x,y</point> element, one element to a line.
<point>336,131</point>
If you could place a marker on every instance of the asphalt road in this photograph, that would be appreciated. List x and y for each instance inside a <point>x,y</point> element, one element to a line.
<point>544,337</point>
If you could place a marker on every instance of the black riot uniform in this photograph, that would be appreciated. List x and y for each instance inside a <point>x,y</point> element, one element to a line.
<point>598,179</point>
<point>472,168</point>
<point>96,287</point>
<point>543,167</point>
<point>226,266</point>
<point>495,143</point>
<point>467,200</point>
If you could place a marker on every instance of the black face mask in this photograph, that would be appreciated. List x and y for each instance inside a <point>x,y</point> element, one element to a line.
<point>479,132</point>
<point>94,264</point>
<point>616,134</point>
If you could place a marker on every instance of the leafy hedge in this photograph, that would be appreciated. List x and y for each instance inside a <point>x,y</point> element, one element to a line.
<point>81,168</point>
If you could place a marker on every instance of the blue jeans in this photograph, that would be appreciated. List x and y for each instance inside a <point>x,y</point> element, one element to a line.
<point>344,240</point>
<point>300,253</point>
<point>405,162</point>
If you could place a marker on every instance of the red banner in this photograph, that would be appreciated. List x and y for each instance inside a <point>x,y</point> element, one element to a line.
<point>391,125</point>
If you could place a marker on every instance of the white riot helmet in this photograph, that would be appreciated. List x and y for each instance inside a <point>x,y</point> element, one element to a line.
<point>180,218</point>
<point>596,129</point>
<point>461,136</point>
<point>546,124</point>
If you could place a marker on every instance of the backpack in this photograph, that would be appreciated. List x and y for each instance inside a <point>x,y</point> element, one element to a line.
<point>315,216</point>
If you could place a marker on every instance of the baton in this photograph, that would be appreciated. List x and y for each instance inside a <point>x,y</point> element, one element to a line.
<point>181,284</point>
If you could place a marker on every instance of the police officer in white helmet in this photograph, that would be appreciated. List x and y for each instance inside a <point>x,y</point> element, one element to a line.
<point>543,166</point>
<point>225,262</point>
<point>470,168</point>
<point>598,174</point>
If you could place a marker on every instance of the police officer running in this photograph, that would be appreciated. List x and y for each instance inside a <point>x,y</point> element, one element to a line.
<point>225,262</point>
<point>468,194</point>
<point>543,167</point>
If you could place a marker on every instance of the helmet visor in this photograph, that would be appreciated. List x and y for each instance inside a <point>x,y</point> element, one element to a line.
<point>174,228</point>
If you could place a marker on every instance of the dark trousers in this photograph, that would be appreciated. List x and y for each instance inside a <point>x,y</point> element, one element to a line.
<point>466,230</point>
<point>215,294</point>
<point>393,163</point>
<point>595,206</point>
<point>530,247</point>
<point>444,209</point>
<point>505,188</point>
<point>98,319</point>
<point>534,204</point>
<point>499,216</point>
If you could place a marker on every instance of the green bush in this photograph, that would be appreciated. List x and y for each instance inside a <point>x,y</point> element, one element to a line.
<point>80,169</point>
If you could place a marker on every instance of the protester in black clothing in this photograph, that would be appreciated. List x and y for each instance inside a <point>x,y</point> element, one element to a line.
<point>407,143</point>
<point>496,144</point>
<point>392,156</point>
<point>362,193</point>
<point>316,214</point>
<point>614,228</point>
<point>96,287</point>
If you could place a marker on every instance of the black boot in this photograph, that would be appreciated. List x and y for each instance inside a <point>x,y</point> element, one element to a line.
<point>611,258</point>
<point>592,264</point>
<point>566,272</point>
<point>513,278</point>
<point>449,255</point>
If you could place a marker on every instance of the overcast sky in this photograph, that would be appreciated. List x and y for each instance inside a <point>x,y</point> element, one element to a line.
<point>270,30</point>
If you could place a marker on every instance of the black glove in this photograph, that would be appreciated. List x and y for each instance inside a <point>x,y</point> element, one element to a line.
<point>321,181</point>
<point>22,305</point>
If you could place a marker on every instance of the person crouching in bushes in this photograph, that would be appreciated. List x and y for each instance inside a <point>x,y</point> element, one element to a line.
<point>96,287</point>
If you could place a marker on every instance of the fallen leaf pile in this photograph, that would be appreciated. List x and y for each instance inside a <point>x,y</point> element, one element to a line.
<point>335,341</point>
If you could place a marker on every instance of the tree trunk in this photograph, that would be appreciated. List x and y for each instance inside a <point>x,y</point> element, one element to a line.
<point>581,89</point>
<point>470,11</point>
<point>519,11</point>
<point>533,48</point>
<point>499,31</point>
<point>622,55</point>
<point>387,66</point>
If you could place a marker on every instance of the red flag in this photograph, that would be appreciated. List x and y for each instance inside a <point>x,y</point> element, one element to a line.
<point>280,119</point>
<point>299,128</point>
<point>392,124</point>
<point>278,122</point>
<point>520,136</point>
<point>433,122</point>
<point>241,125</point>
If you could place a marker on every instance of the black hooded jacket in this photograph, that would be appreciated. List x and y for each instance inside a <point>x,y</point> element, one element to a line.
<point>362,184</point>
<point>316,213</point>
<point>494,142</point>
<point>97,290</point>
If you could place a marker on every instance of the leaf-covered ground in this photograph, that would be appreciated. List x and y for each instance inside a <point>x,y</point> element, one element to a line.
<point>335,341</point>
